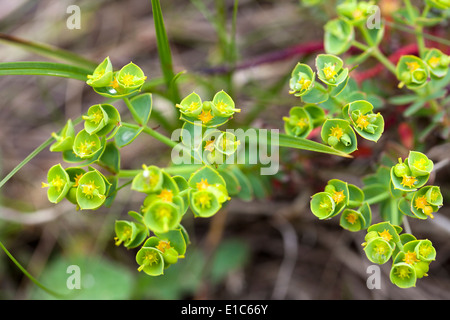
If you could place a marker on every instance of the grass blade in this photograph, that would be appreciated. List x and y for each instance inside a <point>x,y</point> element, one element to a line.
<point>44,68</point>
<point>48,51</point>
<point>165,55</point>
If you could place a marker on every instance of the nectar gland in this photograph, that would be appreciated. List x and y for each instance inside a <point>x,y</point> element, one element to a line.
<point>422,203</point>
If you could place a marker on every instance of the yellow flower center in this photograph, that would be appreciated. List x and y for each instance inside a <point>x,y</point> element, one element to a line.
<point>221,106</point>
<point>385,235</point>
<point>89,189</point>
<point>193,106</point>
<point>305,83</point>
<point>420,164</point>
<point>166,195</point>
<point>337,132</point>
<point>413,66</point>
<point>209,145</point>
<point>410,257</point>
<point>85,148</point>
<point>127,79</point>
<point>203,184</point>
<point>408,181</point>
<point>77,179</point>
<point>114,84</point>
<point>163,245</point>
<point>97,74</point>
<point>425,250</point>
<point>351,218</point>
<point>402,272</point>
<point>150,258</point>
<point>434,61</point>
<point>302,123</point>
<point>329,71</point>
<point>56,182</point>
<point>380,249</point>
<point>163,212</point>
<point>205,117</point>
<point>421,202</point>
<point>338,196</point>
<point>362,122</point>
<point>203,200</point>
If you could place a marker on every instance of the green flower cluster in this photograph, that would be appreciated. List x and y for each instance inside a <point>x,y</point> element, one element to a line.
<point>408,179</point>
<point>410,257</point>
<point>400,192</point>
<point>342,119</point>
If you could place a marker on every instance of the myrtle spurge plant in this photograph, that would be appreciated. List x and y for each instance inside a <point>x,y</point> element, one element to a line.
<point>210,165</point>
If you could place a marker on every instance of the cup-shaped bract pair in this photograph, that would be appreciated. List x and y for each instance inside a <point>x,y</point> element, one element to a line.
<point>160,251</point>
<point>58,183</point>
<point>412,72</point>
<point>87,145</point>
<point>356,12</point>
<point>356,220</point>
<point>339,134</point>
<point>302,80</point>
<point>207,113</point>
<point>163,210</point>
<point>339,34</point>
<point>412,263</point>
<point>438,62</point>
<point>426,201</point>
<point>302,120</point>
<point>149,180</point>
<point>366,123</point>
<point>129,233</point>
<point>331,201</point>
<point>92,190</point>
<point>207,192</point>
<point>330,69</point>
<point>122,83</point>
<point>381,239</point>
<point>413,173</point>
<point>101,119</point>
<point>64,139</point>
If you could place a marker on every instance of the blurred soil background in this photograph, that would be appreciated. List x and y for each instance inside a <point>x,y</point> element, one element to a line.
<point>269,248</point>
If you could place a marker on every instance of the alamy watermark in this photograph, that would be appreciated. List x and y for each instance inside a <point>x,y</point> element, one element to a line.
<point>74,20</point>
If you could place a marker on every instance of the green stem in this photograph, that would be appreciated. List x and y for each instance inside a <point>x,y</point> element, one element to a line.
<point>29,276</point>
<point>131,109</point>
<point>378,198</point>
<point>376,53</point>
<point>160,137</point>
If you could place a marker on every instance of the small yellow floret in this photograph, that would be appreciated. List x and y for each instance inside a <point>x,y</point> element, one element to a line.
<point>402,272</point>
<point>413,66</point>
<point>127,79</point>
<point>204,200</point>
<point>385,235</point>
<point>351,218</point>
<point>338,196</point>
<point>329,71</point>
<point>408,181</point>
<point>89,189</point>
<point>205,117</point>
<point>163,245</point>
<point>362,122</point>
<point>302,123</point>
<point>410,257</point>
<point>203,184</point>
<point>434,61</point>
<point>305,83</point>
<point>166,195</point>
<point>337,132</point>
